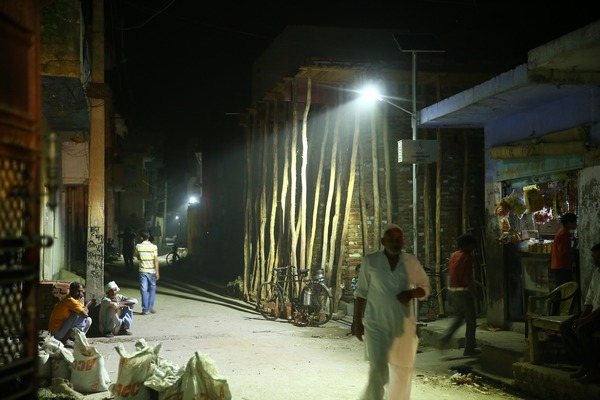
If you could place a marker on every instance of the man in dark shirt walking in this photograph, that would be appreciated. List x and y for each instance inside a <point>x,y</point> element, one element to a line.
<point>460,293</point>
<point>128,246</point>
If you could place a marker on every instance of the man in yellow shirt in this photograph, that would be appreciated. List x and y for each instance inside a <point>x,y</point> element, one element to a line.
<point>70,313</point>
<point>147,254</point>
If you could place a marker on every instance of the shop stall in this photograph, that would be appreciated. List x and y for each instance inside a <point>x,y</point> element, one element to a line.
<point>529,217</point>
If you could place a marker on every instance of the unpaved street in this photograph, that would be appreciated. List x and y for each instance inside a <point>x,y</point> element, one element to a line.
<point>265,360</point>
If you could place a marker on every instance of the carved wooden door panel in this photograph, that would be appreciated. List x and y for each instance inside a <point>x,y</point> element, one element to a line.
<point>20,195</point>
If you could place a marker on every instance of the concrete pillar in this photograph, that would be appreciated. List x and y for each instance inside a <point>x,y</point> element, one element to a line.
<point>96,188</point>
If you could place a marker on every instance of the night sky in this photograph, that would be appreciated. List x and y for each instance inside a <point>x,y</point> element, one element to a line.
<point>177,68</point>
<point>181,65</point>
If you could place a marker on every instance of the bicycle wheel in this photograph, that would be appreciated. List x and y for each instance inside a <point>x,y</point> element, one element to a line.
<point>429,309</point>
<point>170,258</point>
<point>321,303</point>
<point>269,301</point>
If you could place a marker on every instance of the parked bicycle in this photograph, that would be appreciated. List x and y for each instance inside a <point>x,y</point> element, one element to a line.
<point>173,255</point>
<point>111,251</point>
<point>429,309</point>
<point>294,295</point>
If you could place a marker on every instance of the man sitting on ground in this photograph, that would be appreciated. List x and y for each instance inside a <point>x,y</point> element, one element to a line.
<point>116,312</point>
<point>70,313</point>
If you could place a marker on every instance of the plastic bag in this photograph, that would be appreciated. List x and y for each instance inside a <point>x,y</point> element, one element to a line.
<point>516,203</point>
<point>533,198</point>
<point>56,349</point>
<point>44,370</point>
<point>199,381</point>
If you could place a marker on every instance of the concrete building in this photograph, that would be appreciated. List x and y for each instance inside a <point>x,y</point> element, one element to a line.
<point>540,128</point>
<point>322,169</point>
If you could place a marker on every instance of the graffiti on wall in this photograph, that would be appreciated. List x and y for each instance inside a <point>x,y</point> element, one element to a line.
<point>588,227</point>
<point>95,252</point>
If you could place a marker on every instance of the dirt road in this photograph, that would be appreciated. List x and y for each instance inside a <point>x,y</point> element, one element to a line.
<point>264,360</point>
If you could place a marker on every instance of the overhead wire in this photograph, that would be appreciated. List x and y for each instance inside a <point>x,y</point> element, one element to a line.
<point>151,17</point>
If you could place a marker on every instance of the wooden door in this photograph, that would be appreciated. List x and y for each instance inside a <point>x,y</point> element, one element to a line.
<point>20,196</point>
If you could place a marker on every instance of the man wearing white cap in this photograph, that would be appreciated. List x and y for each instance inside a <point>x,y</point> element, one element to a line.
<point>389,281</point>
<point>116,312</point>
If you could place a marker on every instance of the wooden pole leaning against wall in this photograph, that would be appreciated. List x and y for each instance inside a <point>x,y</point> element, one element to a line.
<point>375,179</point>
<point>465,185</point>
<point>426,214</point>
<point>257,267</point>
<point>335,218</point>
<point>426,224</point>
<point>334,182</point>
<point>438,225</point>
<point>387,167</point>
<point>362,200</point>
<point>468,228</point>
<point>335,286</point>
<point>293,149</point>
<point>264,136</point>
<point>304,162</point>
<point>272,257</point>
<point>317,185</point>
<point>248,286</point>
<point>438,211</point>
<point>282,234</point>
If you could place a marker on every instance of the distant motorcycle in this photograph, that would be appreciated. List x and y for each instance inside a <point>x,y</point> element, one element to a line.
<point>173,255</point>
<point>111,251</point>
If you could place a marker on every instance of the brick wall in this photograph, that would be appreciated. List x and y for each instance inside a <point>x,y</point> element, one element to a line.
<point>51,292</point>
<point>379,129</point>
<point>452,160</point>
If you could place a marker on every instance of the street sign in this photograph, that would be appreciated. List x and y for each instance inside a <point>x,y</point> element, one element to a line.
<point>417,151</point>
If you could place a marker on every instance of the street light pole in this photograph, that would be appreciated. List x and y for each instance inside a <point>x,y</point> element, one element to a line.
<point>414,137</point>
<point>416,43</point>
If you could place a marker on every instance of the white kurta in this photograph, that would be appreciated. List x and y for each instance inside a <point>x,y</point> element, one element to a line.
<point>390,326</point>
<point>110,316</point>
<point>592,296</point>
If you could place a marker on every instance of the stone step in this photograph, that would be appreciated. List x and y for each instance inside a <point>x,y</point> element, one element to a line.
<point>502,360</point>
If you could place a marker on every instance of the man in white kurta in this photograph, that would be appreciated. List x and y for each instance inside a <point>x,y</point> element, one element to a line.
<point>388,282</point>
<point>116,312</point>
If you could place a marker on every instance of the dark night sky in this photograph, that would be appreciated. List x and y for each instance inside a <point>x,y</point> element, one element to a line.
<point>181,65</point>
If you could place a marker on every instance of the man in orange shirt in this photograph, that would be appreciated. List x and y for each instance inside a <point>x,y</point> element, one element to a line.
<point>562,253</point>
<point>70,313</point>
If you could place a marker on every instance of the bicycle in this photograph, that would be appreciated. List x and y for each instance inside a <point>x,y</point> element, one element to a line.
<point>173,255</point>
<point>277,298</point>
<point>429,308</point>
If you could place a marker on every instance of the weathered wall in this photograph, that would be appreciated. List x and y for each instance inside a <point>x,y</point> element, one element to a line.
<point>588,222</point>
